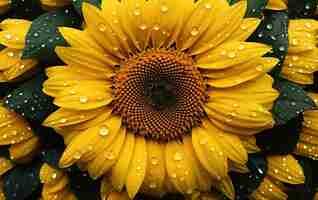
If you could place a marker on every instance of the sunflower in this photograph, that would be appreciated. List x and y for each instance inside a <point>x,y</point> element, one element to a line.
<point>55,184</point>
<point>12,37</point>
<point>281,169</point>
<point>156,94</point>
<point>308,141</point>
<point>54,4</point>
<point>17,133</point>
<point>301,62</point>
<point>4,6</point>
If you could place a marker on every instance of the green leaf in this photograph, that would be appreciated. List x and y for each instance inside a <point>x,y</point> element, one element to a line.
<point>282,139</point>
<point>246,183</point>
<point>302,9</point>
<point>22,181</point>
<point>254,7</point>
<point>292,101</point>
<point>29,101</point>
<point>83,186</point>
<point>78,4</point>
<point>25,9</point>
<point>273,31</point>
<point>43,36</point>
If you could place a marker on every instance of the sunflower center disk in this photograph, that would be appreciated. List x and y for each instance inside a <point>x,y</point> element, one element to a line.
<point>159,94</point>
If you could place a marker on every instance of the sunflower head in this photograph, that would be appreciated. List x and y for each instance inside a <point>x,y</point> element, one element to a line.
<point>12,38</point>
<point>158,94</point>
<point>300,63</point>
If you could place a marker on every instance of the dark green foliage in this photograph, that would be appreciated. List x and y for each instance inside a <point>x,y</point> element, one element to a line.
<point>22,181</point>
<point>302,8</point>
<point>43,36</point>
<point>281,139</point>
<point>245,184</point>
<point>83,186</point>
<point>29,101</point>
<point>273,31</point>
<point>292,101</point>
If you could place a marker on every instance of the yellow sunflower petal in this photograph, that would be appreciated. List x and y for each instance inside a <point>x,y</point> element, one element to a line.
<point>242,72</point>
<point>156,169</point>
<point>53,4</point>
<point>202,17</point>
<point>249,144</point>
<point>135,16</point>
<point>62,77</point>
<point>79,39</point>
<point>276,5</point>
<point>209,153</point>
<point>286,169</point>
<point>204,180</point>
<point>230,144</point>
<point>301,34</point>
<point>268,190</point>
<point>221,30</point>
<point>226,187</point>
<point>118,196</point>
<point>179,168</point>
<point>85,97</point>
<point>86,58</point>
<point>137,167</point>
<point>15,132</point>
<point>14,32</point>
<point>111,10</point>
<point>247,27</point>
<point>107,158</point>
<point>50,175</point>
<point>166,24</point>
<point>260,90</point>
<point>230,54</point>
<point>120,170</point>
<point>65,117</point>
<point>94,139</point>
<point>244,114</point>
<point>24,149</point>
<point>5,166</point>
<point>101,31</point>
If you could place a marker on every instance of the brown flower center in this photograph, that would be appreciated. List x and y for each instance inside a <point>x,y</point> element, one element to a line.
<point>159,94</point>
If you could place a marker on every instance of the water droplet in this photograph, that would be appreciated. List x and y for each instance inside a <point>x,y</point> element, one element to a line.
<point>231,55</point>
<point>164,9</point>
<point>54,175</point>
<point>152,185</point>
<point>83,99</point>
<point>269,26</point>
<point>137,12</point>
<point>10,54</point>
<point>8,36</point>
<point>282,48</point>
<point>63,120</point>
<point>156,27</point>
<point>143,27</point>
<point>103,131</point>
<point>208,6</point>
<point>194,31</point>
<point>102,27</point>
